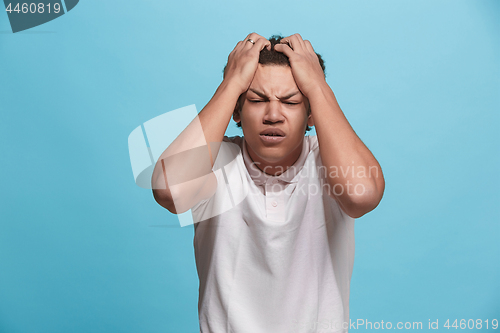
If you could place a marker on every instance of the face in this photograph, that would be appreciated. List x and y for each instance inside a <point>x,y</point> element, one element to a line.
<point>274,118</point>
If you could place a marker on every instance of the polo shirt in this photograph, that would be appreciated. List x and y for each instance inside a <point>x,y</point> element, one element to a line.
<point>273,253</point>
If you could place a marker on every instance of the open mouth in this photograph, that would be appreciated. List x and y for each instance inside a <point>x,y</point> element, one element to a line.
<point>272,135</point>
<point>272,131</point>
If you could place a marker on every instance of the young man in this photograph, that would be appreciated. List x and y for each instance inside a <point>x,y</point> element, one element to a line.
<point>279,256</point>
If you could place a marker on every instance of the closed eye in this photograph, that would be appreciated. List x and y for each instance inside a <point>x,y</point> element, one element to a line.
<point>262,101</point>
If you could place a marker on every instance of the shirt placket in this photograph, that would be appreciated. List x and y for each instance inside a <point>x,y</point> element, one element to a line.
<point>275,200</point>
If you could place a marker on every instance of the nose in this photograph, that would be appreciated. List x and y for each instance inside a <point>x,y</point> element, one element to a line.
<point>274,113</point>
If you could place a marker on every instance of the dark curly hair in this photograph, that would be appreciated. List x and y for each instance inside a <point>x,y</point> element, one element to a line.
<point>273,57</point>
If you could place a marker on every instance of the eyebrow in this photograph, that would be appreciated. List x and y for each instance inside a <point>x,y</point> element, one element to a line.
<point>261,94</point>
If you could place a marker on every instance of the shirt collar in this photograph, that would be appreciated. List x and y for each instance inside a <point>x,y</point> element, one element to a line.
<point>288,176</point>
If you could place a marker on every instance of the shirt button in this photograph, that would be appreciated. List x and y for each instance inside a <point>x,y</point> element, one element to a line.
<point>274,203</point>
<point>274,181</point>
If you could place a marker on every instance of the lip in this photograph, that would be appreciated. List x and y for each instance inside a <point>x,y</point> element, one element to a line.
<point>273,130</point>
<point>279,135</point>
<point>272,139</point>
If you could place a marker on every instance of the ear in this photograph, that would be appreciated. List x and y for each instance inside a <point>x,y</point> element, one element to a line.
<point>236,113</point>
<point>310,120</point>
<point>237,108</point>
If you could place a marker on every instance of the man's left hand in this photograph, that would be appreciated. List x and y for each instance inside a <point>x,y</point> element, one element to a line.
<point>304,62</point>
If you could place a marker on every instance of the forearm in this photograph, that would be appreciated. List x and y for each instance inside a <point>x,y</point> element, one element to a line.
<point>185,167</point>
<point>353,174</point>
<point>216,115</point>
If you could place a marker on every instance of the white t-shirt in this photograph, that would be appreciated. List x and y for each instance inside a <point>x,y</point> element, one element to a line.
<point>273,254</point>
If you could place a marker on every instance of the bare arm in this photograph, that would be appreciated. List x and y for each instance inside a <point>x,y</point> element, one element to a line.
<point>354,176</point>
<point>183,174</point>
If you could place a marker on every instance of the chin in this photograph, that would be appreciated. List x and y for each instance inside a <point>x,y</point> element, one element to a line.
<point>271,155</point>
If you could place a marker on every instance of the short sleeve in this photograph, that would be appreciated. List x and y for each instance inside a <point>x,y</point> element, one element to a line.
<point>228,153</point>
<point>322,174</point>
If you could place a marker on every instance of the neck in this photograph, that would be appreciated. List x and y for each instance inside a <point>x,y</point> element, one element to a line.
<point>275,168</point>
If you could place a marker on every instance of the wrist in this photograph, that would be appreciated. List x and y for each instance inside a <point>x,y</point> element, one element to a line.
<point>318,90</point>
<point>226,96</point>
<point>233,85</point>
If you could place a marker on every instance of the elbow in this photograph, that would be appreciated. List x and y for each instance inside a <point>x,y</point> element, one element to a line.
<point>164,198</point>
<point>358,206</point>
<point>173,202</point>
<point>363,199</point>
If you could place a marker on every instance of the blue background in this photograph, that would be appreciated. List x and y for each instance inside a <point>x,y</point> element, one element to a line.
<point>83,249</point>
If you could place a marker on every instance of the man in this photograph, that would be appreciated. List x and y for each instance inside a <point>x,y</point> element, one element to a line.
<point>280,258</point>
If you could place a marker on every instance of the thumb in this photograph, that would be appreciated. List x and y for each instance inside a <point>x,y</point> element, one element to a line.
<point>284,48</point>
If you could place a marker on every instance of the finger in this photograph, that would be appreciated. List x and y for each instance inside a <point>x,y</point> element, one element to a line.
<point>287,41</point>
<point>252,39</point>
<point>261,43</point>
<point>296,42</point>
<point>285,49</point>
<point>308,46</point>
<point>253,36</point>
<point>250,42</point>
<point>268,44</point>
<point>237,48</point>
<point>238,45</point>
<point>249,36</point>
<point>247,40</point>
<point>300,40</point>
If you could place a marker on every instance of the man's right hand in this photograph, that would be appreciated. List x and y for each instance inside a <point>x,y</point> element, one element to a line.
<point>244,60</point>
